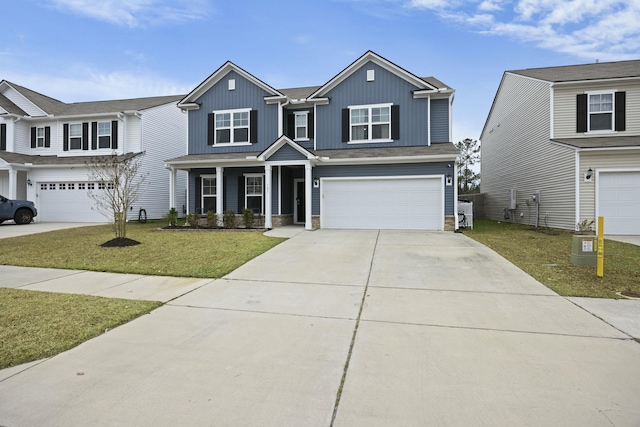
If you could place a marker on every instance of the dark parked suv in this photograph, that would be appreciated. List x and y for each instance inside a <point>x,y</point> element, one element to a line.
<point>21,211</point>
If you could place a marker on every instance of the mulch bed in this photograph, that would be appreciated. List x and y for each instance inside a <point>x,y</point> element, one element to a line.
<point>189,228</point>
<point>120,242</point>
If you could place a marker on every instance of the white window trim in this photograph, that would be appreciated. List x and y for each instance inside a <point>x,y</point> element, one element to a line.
<point>613,112</point>
<point>69,136</point>
<point>295,125</point>
<point>202,195</point>
<point>98,136</point>
<point>231,128</point>
<point>38,138</point>
<point>370,133</point>
<point>262,196</point>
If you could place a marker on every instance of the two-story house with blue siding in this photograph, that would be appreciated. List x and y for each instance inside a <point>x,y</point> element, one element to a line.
<point>371,149</point>
<point>46,144</point>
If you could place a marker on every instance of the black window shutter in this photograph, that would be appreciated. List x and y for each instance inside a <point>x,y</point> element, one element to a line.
<point>240,193</point>
<point>85,136</point>
<point>291,126</point>
<point>33,137</point>
<point>224,192</point>
<point>581,113</point>
<point>198,207</point>
<point>94,135</point>
<point>310,130</point>
<point>114,134</point>
<point>211,128</point>
<point>65,137</point>
<point>345,125</point>
<point>47,136</point>
<point>3,137</point>
<point>621,118</point>
<point>395,122</point>
<point>253,123</point>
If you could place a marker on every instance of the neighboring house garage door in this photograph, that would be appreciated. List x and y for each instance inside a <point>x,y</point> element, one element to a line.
<point>383,203</point>
<point>619,202</point>
<point>66,202</point>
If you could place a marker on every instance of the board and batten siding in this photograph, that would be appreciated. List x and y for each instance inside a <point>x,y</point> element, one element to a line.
<point>613,159</point>
<point>388,170</point>
<point>564,106</point>
<point>219,97</point>
<point>163,132</point>
<point>439,121</point>
<point>517,154</point>
<point>386,88</point>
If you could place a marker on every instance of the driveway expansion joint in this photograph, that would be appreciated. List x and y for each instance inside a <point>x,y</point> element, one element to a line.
<point>259,312</point>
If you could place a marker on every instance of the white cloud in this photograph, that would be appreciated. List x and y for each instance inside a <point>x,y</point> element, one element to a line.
<point>136,13</point>
<point>591,29</point>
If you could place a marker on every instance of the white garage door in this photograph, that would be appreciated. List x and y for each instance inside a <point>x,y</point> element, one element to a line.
<point>619,202</point>
<point>66,202</point>
<point>413,203</point>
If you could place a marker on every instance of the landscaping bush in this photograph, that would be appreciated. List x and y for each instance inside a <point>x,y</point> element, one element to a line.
<point>229,218</point>
<point>192,219</point>
<point>172,217</point>
<point>212,219</point>
<point>247,217</point>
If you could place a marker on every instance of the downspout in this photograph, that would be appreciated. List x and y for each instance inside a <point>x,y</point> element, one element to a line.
<point>281,116</point>
<point>455,196</point>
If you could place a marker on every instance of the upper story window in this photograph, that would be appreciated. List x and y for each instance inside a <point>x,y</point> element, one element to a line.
<point>232,127</point>
<point>301,126</point>
<point>601,111</point>
<point>75,136</point>
<point>104,134</point>
<point>40,137</point>
<point>370,123</point>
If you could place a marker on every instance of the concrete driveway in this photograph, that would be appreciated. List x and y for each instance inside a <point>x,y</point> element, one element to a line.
<point>413,329</point>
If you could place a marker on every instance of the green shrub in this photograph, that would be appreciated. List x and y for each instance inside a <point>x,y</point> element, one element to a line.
<point>212,219</point>
<point>172,217</point>
<point>192,219</point>
<point>247,217</point>
<point>229,218</point>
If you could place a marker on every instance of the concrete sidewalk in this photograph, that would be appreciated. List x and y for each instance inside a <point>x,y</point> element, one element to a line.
<point>414,328</point>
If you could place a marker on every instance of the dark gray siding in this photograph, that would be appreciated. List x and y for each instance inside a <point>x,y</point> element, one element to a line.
<point>387,88</point>
<point>230,186</point>
<point>440,120</point>
<point>246,95</point>
<point>439,168</point>
<point>286,152</point>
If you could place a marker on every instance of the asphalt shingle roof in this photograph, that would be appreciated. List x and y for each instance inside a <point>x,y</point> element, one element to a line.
<point>10,107</point>
<point>596,71</point>
<point>17,158</point>
<point>602,142</point>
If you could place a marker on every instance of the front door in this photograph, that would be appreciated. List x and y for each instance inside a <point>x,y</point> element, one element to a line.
<point>299,213</point>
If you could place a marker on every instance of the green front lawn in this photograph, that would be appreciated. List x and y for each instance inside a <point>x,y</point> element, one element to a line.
<point>545,255</point>
<point>210,254</point>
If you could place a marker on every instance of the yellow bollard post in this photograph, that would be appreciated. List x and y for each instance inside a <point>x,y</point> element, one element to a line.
<point>600,246</point>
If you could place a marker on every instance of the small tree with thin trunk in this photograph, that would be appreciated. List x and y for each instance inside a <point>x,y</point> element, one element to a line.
<point>468,180</point>
<point>118,185</point>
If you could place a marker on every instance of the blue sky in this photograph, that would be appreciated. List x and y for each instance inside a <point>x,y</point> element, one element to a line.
<point>85,50</point>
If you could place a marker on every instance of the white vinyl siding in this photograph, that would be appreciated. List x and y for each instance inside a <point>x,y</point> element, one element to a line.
<point>517,154</point>
<point>383,203</point>
<point>24,104</point>
<point>564,107</point>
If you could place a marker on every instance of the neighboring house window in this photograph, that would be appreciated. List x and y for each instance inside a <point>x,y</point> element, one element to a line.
<point>232,127</point>
<point>370,123</point>
<point>208,193</point>
<point>40,137</point>
<point>253,192</point>
<point>602,111</point>
<point>75,136</point>
<point>301,126</point>
<point>104,134</point>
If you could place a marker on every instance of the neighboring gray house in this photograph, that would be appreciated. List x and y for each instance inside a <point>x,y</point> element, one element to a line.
<point>45,145</point>
<point>371,148</point>
<point>572,134</point>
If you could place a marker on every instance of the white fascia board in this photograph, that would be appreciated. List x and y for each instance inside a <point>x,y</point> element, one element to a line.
<point>218,75</point>
<point>189,106</point>
<point>282,141</point>
<point>387,160</point>
<point>80,116</point>
<point>275,99</point>
<point>193,164</point>
<point>378,60</point>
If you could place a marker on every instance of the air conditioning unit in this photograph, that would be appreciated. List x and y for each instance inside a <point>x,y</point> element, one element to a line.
<point>512,199</point>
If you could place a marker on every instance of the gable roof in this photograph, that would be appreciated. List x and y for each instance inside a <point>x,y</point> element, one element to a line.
<point>10,107</point>
<point>190,99</point>
<point>571,73</point>
<point>371,56</point>
<point>45,103</point>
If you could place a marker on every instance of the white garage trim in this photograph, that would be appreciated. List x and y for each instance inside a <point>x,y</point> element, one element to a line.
<point>67,201</point>
<point>618,219</point>
<point>407,202</point>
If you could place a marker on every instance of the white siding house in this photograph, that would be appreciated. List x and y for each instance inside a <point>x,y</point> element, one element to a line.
<point>571,137</point>
<point>45,146</point>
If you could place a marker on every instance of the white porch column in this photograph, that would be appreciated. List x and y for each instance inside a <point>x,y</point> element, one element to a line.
<point>219,193</point>
<point>268,196</point>
<point>172,188</point>
<point>307,196</point>
<point>13,183</point>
